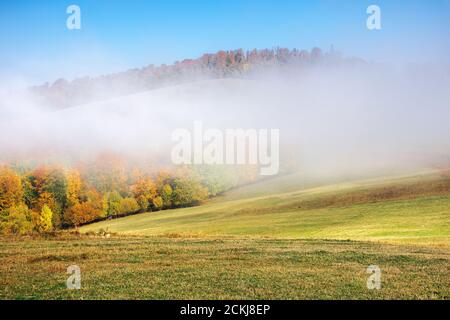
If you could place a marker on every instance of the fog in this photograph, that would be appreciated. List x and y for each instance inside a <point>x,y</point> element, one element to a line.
<point>331,119</point>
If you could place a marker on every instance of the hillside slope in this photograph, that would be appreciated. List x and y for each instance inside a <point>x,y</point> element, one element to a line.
<point>412,209</point>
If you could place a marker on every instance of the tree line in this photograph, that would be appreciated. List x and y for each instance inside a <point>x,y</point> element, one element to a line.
<point>222,64</point>
<point>52,197</point>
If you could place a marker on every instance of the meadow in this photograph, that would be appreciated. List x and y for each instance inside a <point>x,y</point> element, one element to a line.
<point>256,242</point>
<point>179,268</point>
<point>409,209</point>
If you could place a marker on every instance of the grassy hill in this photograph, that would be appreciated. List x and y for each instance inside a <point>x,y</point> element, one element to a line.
<point>410,209</point>
<point>251,245</point>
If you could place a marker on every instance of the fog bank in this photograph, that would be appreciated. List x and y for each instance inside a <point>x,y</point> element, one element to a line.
<point>330,119</point>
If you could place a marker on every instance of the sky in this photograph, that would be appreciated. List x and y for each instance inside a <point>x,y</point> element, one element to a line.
<point>36,45</point>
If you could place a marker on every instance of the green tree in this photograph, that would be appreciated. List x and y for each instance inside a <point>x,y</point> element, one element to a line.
<point>166,195</point>
<point>47,185</point>
<point>113,203</point>
<point>188,189</point>
<point>16,220</point>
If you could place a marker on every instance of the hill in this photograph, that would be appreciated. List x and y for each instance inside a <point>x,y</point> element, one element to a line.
<point>411,209</point>
<point>252,245</point>
<point>222,64</point>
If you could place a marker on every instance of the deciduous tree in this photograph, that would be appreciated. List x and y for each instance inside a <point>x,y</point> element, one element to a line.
<point>16,220</point>
<point>144,191</point>
<point>11,191</point>
<point>129,205</point>
<point>43,221</point>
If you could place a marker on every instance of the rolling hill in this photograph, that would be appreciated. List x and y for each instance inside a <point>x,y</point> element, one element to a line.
<point>408,209</point>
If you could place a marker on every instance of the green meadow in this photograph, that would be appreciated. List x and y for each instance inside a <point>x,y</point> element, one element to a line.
<point>409,209</point>
<point>270,240</point>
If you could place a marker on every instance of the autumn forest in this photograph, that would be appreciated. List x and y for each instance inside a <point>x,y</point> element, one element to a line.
<point>52,197</point>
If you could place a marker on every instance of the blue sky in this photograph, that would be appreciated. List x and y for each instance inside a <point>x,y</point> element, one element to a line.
<point>36,46</point>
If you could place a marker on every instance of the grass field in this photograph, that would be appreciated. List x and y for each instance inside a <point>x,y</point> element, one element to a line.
<point>265,241</point>
<point>164,268</point>
<point>408,209</point>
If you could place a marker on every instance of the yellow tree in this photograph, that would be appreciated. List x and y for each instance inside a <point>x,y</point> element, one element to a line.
<point>144,191</point>
<point>73,187</point>
<point>47,199</point>
<point>128,205</point>
<point>43,221</point>
<point>11,192</point>
<point>158,202</point>
<point>164,181</point>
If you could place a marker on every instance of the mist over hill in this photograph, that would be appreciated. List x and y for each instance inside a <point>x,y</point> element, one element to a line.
<point>335,114</point>
<point>223,64</point>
